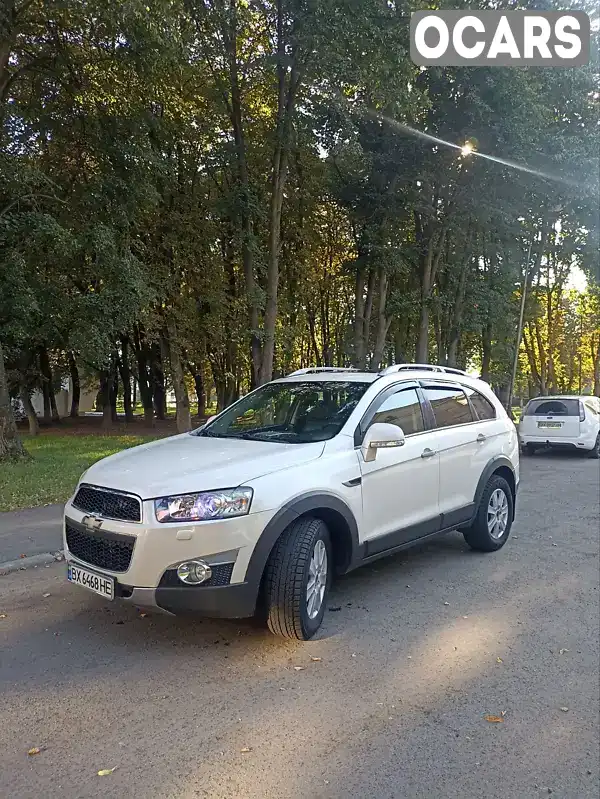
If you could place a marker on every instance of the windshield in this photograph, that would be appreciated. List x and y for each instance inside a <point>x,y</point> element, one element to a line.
<point>292,413</point>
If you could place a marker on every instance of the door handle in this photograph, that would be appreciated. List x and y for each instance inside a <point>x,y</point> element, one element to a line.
<point>428,453</point>
<point>481,438</point>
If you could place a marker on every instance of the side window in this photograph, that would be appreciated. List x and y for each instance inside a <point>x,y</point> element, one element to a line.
<point>450,405</point>
<point>483,407</point>
<point>402,409</point>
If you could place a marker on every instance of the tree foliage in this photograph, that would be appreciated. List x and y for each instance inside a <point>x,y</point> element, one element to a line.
<point>209,193</point>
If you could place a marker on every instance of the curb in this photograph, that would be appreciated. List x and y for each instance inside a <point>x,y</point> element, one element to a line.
<point>44,559</point>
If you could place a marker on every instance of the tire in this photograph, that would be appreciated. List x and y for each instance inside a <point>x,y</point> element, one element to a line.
<point>528,449</point>
<point>595,453</point>
<point>287,579</point>
<point>478,536</point>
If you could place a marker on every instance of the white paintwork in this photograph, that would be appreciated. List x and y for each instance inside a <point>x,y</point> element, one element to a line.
<point>399,488</point>
<point>573,431</point>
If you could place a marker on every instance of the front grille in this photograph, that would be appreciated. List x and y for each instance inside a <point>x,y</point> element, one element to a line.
<point>221,575</point>
<point>110,551</point>
<point>108,503</point>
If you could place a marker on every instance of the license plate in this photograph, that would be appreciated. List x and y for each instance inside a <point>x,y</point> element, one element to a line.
<point>98,583</point>
<point>550,425</point>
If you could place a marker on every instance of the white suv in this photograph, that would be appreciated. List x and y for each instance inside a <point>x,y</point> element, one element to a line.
<point>306,477</point>
<point>561,422</point>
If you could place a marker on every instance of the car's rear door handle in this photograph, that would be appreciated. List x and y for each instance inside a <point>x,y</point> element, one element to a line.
<point>428,453</point>
<point>481,438</point>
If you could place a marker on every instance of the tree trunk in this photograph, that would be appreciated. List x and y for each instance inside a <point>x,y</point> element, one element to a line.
<point>125,371</point>
<point>11,447</point>
<point>143,377</point>
<point>105,398</point>
<point>383,323</point>
<point>75,386</point>
<point>50,409</point>
<point>34,425</point>
<point>200,390</point>
<point>486,351</point>
<point>157,376</point>
<point>114,392</point>
<point>182,401</point>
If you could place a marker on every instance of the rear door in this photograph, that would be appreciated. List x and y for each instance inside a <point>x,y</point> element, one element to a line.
<point>458,448</point>
<point>551,418</point>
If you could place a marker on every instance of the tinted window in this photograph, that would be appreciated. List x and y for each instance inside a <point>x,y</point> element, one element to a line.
<point>402,409</point>
<point>567,407</point>
<point>483,407</point>
<point>450,406</point>
<point>295,412</point>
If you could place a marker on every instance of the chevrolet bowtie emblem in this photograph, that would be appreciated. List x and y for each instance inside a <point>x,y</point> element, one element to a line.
<point>92,522</point>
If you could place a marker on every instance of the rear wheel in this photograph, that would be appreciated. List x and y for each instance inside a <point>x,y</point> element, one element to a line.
<point>595,453</point>
<point>491,527</point>
<point>297,579</point>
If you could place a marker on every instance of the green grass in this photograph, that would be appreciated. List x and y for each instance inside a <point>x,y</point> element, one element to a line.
<point>56,465</point>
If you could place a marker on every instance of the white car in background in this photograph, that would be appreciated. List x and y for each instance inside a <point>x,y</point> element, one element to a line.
<point>561,422</point>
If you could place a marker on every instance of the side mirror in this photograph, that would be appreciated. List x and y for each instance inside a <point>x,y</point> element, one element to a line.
<point>380,436</point>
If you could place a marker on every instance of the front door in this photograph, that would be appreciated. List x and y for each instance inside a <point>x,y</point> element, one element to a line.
<point>400,487</point>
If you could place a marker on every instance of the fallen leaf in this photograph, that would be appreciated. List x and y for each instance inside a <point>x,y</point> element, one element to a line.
<point>499,660</point>
<point>554,545</point>
<point>245,749</point>
<point>22,556</point>
<point>503,713</point>
<point>298,668</point>
<point>465,617</point>
<point>354,654</point>
<point>565,709</point>
<point>143,615</point>
<point>562,651</point>
<point>2,615</point>
<point>104,772</point>
<point>316,660</point>
<point>494,719</point>
<point>333,610</point>
<point>446,603</point>
<point>45,596</point>
<point>35,750</point>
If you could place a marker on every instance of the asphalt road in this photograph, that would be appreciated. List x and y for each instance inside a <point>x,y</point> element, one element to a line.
<point>424,645</point>
<point>29,532</point>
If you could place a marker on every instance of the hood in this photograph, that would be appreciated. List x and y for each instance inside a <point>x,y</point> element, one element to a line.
<point>188,463</point>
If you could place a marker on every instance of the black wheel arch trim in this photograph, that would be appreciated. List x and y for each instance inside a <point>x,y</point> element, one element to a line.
<point>492,466</point>
<point>300,506</point>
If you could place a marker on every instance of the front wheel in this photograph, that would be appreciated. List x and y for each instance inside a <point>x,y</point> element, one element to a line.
<point>297,579</point>
<point>491,527</point>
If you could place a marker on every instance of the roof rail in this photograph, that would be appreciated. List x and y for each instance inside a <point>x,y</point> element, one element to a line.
<point>426,367</point>
<point>316,369</point>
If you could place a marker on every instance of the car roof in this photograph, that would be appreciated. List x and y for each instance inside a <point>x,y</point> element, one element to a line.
<point>355,376</point>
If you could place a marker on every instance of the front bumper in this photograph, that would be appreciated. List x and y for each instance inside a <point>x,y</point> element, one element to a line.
<point>149,578</point>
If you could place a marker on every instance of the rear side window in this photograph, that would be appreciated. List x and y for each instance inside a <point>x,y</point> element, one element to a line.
<point>402,409</point>
<point>483,407</point>
<point>450,405</point>
<point>553,407</point>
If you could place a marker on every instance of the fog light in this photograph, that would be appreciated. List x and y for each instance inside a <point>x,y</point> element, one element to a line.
<point>194,572</point>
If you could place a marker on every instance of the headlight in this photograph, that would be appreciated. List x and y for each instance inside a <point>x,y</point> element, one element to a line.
<point>204,506</point>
